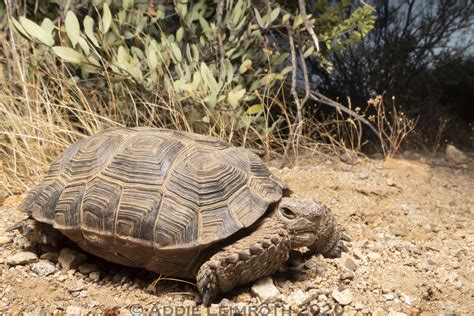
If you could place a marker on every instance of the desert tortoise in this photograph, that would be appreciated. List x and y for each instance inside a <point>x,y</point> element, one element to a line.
<point>179,204</point>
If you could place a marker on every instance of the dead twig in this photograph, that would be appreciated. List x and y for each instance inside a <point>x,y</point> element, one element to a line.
<point>316,96</point>
<point>220,13</point>
<point>294,67</point>
<point>307,25</point>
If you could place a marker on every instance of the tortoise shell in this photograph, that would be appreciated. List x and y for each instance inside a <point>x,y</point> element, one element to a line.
<point>153,198</point>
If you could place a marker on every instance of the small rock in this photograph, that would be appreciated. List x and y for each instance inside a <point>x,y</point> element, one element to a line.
<point>455,155</point>
<point>43,268</point>
<point>74,285</point>
<point>374,256</point>
<point>346,275</point>
<point>342,297</point>
<point>400,232</point>
<point>50,256</point>
<point>265,290</point>
<point>348,158</point>
<point>406,299</point>
<point>95,276</point>
<point>22,258</point>
<point>363,175</point>
<point>358,306</point>
<point>322,298</point>
<point>393,313</point>
<point>244,298</point>
<point>296,298</point>
<point>5,240</point>
<point>224,302</point>
<point>390,296</point>
<point>70,259</point>
<point>73,311</point>
<point>87,268</point>
<point>348,262</point>
<point>390,182</point>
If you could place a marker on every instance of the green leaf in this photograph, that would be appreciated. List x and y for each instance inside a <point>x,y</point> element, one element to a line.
<point>234,97</point>
<point>254,109</point>
<point>89,30</point>
<point>176,52</point>
<point>68,54</point>
<point>179,34</point>
<point>208,77</point>
<point>274,15</point>
<point>259,19</point>
<point>298,21</point>
<point>106,18</point>
<point>308,52</point>
<point>181,9</point>
<point>47,25</point>
<point>36,31</point>
<point>85,47</point>
<point>286,17</point>
<point>245,66</point>
<point>72,27</point>
<point>17,26</point>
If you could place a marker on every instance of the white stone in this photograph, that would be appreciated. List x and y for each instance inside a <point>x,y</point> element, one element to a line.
<point>342,297</point>
<point>266,290</point>
<point>73,311</point>
<point>22,258</point>
<point>70,259</point>
<point>297,297</point>
<point>43,268</point>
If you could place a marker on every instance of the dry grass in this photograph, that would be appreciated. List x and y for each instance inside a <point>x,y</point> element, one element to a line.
<point>44,108</point>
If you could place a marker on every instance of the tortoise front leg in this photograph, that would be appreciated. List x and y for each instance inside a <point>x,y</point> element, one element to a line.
<point>259,254</point>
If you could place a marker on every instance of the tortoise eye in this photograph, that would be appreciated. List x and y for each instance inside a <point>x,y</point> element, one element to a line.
<point>288,213</point>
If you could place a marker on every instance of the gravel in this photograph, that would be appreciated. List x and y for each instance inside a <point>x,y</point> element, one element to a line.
<point>22,258</point>
<point>265,290</point>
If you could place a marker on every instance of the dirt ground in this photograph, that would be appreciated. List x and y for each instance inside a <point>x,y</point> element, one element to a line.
<point>411,224</point>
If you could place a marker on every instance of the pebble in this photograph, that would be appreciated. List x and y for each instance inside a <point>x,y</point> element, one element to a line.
<point>95,276</point>
<point>393,313</point>
<point>348,158</point>
<point>374,256</point>
<point>358,306</point>
<point>50,256</point>
<point>22,258</point>
<point>43,268</point>
<point>244,298</point>
<point>348,262</point>
<point>73,311</point>
<point>5,240</point>
<point>296,298</point>
<point>406,299</point>
<point>266,290</point>
<point>70,259</point>
<point>346,275</point>
<point>455,155</point>
<point>390,296</point>
<point>390,182</point>
<point>363,175</point>
<point>74,285</point>
<point>342,297</point>
<point>87,268</point>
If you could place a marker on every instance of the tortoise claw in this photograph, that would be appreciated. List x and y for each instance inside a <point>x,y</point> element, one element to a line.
<point>345,237</point>
<point>206,298</point>
<point>343,247</point>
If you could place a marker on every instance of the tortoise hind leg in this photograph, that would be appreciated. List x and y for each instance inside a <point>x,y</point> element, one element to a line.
<point>36,232</point>
<point>259,254</point>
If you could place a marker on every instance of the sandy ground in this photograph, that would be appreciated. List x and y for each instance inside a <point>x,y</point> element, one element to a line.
<point>411,223</point>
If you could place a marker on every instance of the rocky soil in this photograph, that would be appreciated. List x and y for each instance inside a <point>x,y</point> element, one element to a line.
<point>411,224</point>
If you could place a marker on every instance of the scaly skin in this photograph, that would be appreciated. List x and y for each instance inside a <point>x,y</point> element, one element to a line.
<point>250,258</point>
<point>296,222</point>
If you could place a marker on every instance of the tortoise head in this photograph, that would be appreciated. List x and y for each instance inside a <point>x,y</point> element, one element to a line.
<point>311,224</point>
